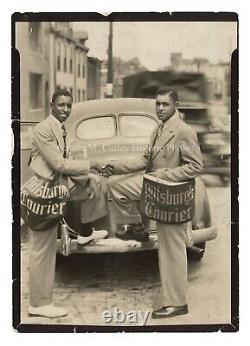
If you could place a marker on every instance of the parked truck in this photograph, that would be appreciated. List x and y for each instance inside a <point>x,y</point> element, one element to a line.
<point>194,106</point>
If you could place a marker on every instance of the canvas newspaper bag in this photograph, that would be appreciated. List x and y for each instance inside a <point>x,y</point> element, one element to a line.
<point>43,202</point>
<point>167,202</point>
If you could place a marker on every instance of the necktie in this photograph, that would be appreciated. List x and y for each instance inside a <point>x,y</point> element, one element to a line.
<point>160,128</point>
<point>64,140</point>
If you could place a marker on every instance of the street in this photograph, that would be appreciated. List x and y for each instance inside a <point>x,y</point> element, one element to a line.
<point>90,284</point>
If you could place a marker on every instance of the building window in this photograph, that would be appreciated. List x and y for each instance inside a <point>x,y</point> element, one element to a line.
<point>71,61</point>
<point>65,59</point>
<point>35,36</point>
<point>58,56</point>
<point>83,95</point>
<point>35,91</point>
<point>79,66</point>
<point>79,95</point>
<point>83,71</point>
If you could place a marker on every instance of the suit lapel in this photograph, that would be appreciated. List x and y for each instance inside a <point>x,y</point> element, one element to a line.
<point>167,134</point>
<point>57,133</point>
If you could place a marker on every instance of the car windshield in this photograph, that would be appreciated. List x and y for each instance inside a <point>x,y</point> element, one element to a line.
<point>134,125</point>
<point>97,127</point>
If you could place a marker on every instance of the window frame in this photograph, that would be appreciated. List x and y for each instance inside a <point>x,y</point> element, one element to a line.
<point>65,57</point>
<point>37,48</point>
<point>58,56</point>
<point>148,115</point>
<point>40,100</point>
<point>71,60</point>
<point>101,115</point>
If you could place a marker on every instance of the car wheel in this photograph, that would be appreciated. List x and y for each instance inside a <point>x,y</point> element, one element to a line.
<point>196,252</point>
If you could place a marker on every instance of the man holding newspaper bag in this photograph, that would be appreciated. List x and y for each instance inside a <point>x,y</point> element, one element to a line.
<point>173,156</point>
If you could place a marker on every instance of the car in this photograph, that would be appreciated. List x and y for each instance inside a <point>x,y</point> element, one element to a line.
<point>109,129</point>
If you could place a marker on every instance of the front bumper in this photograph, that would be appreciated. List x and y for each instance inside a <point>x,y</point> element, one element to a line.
<point>113,245</point>
<point>222,171</point>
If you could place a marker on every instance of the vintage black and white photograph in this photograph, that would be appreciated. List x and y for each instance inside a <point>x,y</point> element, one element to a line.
<point>123,178</point>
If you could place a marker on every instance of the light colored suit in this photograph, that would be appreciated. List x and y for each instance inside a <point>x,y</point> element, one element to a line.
<point>176,157</point>
<point>47,160</point>
<point>47,152</point>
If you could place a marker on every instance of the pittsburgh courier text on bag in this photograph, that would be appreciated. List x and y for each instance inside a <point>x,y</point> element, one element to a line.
<point>167,202</point>
<point>43,202</point>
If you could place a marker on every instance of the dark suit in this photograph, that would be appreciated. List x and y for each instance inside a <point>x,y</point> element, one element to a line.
<point>47,159</point>
<point>176,157</point>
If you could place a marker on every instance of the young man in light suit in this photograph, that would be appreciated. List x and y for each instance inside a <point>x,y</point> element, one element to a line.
<point>48,158</point>
<point>174,155</point>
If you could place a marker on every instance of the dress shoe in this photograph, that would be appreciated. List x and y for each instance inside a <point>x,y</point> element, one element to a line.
<point>95,235</point>
<point>50,311</point>
<point>170,311</point>
<point>133,232</point>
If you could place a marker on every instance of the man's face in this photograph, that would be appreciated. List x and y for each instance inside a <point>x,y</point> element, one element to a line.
<point>61,108</point>
<point>165,107</point>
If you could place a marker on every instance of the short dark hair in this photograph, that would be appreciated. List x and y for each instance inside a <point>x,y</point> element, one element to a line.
<point>167,91</point>
<point>61,92</point>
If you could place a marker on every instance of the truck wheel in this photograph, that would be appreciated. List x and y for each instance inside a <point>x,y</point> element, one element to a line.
<point>196,252</point>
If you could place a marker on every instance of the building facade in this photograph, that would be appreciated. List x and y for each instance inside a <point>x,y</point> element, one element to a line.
<point>32,40</point>
<point>51,56</point>
<point>68,60</point>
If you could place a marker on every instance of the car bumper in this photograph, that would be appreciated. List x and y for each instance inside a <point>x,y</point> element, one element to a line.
<point>112,244</point>
<point>224,171</point>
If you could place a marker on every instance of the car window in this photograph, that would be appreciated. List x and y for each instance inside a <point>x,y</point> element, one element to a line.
<point>96,128</point>
<point>26,130</point>
<point>134,125</point>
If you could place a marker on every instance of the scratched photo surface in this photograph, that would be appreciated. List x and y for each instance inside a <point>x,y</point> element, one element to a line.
<point>113,71</point>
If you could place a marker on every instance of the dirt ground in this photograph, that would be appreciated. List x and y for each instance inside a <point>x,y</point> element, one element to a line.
<point>87,285</point>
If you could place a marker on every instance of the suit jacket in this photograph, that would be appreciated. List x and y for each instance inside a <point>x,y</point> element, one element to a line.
<point>47,152</point>
<point>176,154</point>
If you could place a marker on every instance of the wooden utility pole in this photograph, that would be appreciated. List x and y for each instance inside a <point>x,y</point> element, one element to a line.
<point>109,86</point>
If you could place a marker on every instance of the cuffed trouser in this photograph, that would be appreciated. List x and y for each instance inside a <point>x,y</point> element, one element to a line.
<point>126,191</point>
<point>42,266</point>
<point>172,263</point>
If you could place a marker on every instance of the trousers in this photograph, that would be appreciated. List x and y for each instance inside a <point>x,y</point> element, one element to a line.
<point>126,192</point>
<point>43,245</point>
<point>42,263</point>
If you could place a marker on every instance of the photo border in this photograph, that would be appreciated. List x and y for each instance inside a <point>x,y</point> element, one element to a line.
<point>15,110</point>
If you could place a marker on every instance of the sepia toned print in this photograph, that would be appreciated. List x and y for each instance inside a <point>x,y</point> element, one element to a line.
<point>124,115</point>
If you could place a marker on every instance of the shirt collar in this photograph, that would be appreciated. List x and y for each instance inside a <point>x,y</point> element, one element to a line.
<point>56,121</point>
<point>172,119</point>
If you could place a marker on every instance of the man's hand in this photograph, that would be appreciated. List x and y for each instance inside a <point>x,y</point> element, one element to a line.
<point>103,168</point>
<point>91,186</point>
<point>107,170</point>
